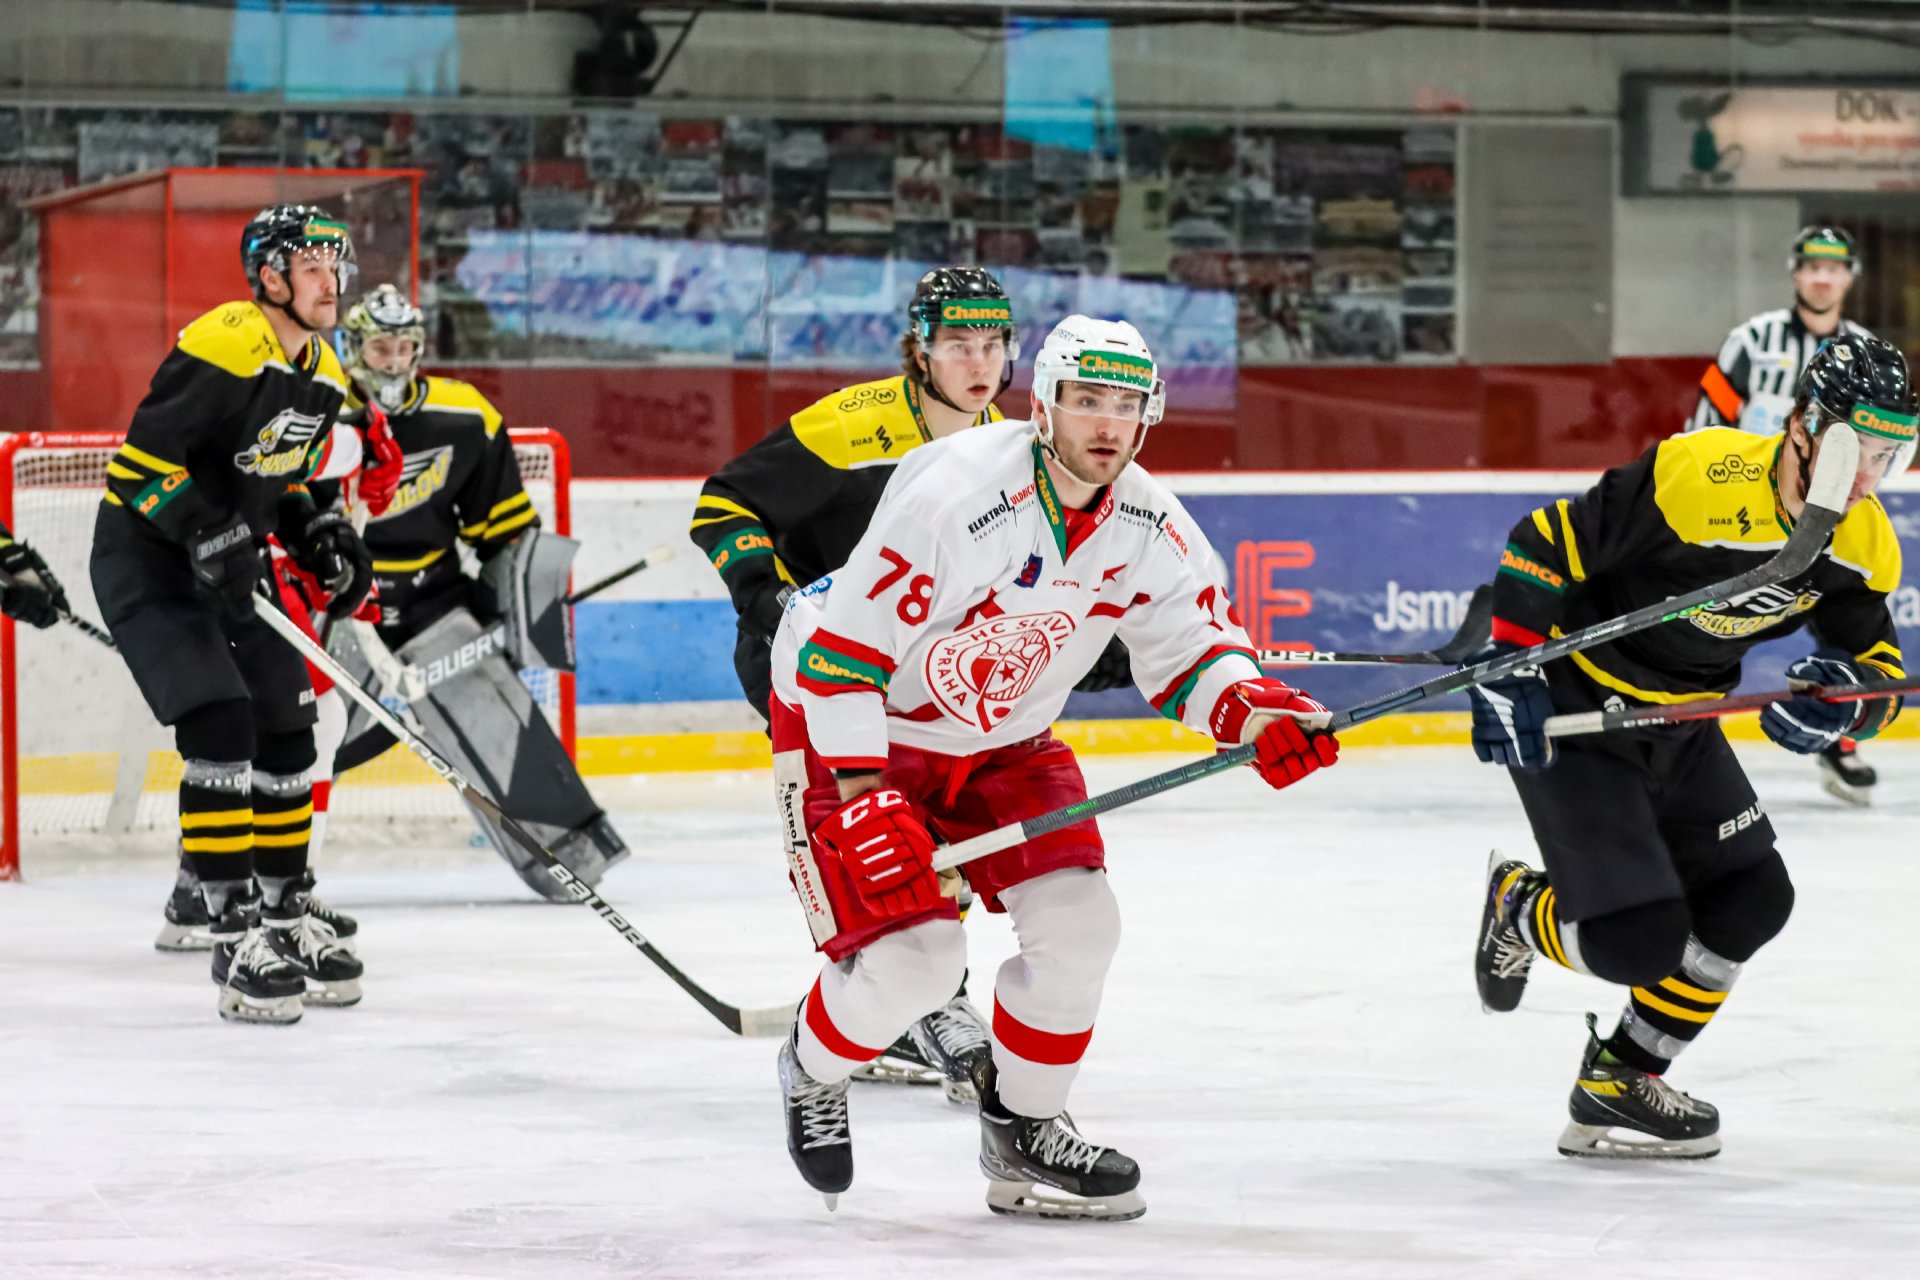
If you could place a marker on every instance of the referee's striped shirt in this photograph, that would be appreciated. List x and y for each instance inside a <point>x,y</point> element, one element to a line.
<point>1751,384</point>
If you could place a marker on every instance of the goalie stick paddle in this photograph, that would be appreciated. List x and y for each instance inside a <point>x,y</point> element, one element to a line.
<point>746,1022</point>
<point>1577,723</point>
<point>1827,491</point>
<point>659,555</point>
<point>1474,631</point>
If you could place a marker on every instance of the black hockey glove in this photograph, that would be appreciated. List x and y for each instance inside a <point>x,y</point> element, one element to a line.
<point>226,566</point>
<point>1807,725</point>
<point>1510,714</point>
<point>328,548</point>
<point>1113,669</point>
<point>761,617</point>
<point>29,592</point>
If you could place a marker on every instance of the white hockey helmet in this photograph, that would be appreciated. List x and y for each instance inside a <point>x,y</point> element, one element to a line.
<point>1110,353</point>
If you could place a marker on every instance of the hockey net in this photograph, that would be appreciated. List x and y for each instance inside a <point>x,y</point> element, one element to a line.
<point>84,770</point>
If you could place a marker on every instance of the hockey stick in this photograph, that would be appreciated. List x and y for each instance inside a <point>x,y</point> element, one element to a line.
<point>1473,633</point>
<point>659,555</point>
<point>1576,723</point>
<point>745,1022</point>
<point>1833,474</point>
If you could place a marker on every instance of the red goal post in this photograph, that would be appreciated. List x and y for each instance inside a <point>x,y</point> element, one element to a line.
<point>80,757</point>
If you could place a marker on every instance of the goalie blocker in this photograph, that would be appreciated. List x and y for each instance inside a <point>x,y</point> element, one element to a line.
<point>464,693</point>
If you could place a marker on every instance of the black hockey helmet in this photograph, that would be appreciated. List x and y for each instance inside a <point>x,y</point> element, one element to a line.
<point>1863,381</point>
<point>279,231</point>
<point>1823,244</point>
<point>960,296</point>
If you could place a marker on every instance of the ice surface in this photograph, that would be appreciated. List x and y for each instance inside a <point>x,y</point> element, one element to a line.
<point>1290,1046</point>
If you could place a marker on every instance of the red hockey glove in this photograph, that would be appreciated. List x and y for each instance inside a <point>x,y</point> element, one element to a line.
<point>885,851</point>
<point>1289,748</point>
<point>380,474</point>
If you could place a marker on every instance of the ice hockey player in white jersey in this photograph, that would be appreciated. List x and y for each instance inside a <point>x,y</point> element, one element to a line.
<point>914,690</point>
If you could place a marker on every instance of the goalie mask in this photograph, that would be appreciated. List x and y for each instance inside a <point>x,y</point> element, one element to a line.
<point>389,369</point>
<point>1108,353</point>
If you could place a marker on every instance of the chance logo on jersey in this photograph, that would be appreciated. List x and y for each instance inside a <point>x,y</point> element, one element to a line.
<point>281,447</point>
<point>978,674</point>
<point>421,476</point>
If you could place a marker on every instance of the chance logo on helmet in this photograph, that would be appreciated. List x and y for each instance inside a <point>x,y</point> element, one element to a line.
<point>995,313</point>
<point>1117,368</point>
<point>1903,427</point>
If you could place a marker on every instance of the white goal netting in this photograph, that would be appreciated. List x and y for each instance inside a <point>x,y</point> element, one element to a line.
<point>83,767</point>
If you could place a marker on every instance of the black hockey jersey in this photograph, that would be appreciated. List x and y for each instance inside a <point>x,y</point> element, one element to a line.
<point>792,507</point>
<point>460,482</point>
<point>1692,510</point>
<point>229,424</point>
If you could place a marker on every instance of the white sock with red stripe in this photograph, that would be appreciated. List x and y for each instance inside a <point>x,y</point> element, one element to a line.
<point>861,1005</point>
<point>329,730</point>
<point>1045,998</point>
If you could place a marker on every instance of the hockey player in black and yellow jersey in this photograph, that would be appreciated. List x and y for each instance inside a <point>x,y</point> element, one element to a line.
<point>1661,872</point>
<point>29,592</point>
<point>789,509</point>
<point>215,460</point>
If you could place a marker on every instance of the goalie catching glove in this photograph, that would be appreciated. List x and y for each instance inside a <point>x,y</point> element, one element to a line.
<point>1288,747</point>
<point>885,851</point>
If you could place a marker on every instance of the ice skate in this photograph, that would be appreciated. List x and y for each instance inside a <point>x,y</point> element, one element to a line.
<point>1045,1169</point>
<point>1502,959</point>
<point>256,984</point>
<point>954,1038</point>
<point>818,1137</point>
<point>187,926</point>
<point>330,974</point>
<point>1845,776</point>
<point>902,1063</point>
<point>1623,1114</point>
<point>346,930</point>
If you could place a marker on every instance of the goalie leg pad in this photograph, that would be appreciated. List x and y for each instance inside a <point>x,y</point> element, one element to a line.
<point>475,709</point>
<point>529,580</point>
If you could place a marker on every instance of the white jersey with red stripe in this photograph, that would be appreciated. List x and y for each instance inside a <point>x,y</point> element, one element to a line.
<point>972,605</point>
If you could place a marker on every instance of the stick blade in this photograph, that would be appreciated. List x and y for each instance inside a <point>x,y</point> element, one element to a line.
<point>1834,469</point>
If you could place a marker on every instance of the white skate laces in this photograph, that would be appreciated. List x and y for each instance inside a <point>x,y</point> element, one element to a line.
<point>823,1113</point>
<point>958,1027</point>
<point>1057,1144</point>
<point>256,954</point>
<point>1512,957</point>
<point>1663,1097</point>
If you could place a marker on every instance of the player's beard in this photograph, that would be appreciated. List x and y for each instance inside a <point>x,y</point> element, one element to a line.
<point>1079,464</point>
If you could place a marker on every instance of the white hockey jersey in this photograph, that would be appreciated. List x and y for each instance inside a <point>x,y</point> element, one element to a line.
<point>968,610</point>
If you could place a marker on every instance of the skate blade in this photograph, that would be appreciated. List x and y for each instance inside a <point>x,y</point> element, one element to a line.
<point>183,937</point>
<point>960,1092</point>
<point>833,1200</point>
<point>1601,1142</point>
<point>1031,1200</point>
<point>332,995</point>
<point>1846,792</point>
<point>281,1012</point>
<point>885,1070</point>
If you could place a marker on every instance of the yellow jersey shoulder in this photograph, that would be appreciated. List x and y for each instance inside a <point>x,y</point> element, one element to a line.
<point>867,424</point>
<point>235,338</point>
<point>1715,488</point>
<point>1866,543</point>
<point>454,396</point>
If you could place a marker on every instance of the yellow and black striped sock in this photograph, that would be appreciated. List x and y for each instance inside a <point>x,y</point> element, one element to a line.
<point>282,826</point>
<point>1661,1020</point>
<point>216,825</point>
<point>1538,916</point>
